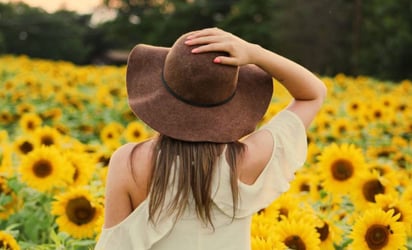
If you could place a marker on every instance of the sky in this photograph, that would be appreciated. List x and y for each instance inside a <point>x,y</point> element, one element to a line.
<point>81,6</point>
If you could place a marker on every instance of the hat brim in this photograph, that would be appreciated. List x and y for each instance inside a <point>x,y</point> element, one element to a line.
<point>153,104</point>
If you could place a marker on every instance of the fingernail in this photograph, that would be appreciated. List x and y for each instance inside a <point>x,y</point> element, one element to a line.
<point>217,60</point>
<point>195,50</point>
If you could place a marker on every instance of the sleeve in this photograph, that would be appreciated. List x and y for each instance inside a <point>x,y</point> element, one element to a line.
<point>289,154</point>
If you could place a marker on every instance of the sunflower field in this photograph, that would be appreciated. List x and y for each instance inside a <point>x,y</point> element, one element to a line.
<point>59,124</point>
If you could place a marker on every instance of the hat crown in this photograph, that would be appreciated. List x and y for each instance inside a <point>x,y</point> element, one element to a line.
<point>195,78</point>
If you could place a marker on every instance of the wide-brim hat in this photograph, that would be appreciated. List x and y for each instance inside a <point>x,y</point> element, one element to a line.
<point>188,97</point>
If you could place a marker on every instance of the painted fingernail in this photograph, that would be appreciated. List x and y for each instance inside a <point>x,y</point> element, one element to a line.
<point>217,60</point>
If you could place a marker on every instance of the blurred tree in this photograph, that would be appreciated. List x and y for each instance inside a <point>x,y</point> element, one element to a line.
<point>385,39</point>
<point>161,22</point>
<point>252,20</point>
<point>316,34</point>
<point>34,32</point>
<point>327,36</point>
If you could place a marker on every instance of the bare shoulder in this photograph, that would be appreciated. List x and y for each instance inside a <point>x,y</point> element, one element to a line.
<point>259,148</point>
<point>127,179</point>
<point>130,152</point>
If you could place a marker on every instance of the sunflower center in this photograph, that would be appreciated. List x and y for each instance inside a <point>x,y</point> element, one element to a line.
<point>42,168</point>
<point>282,211</point>
<point>26,147</point>
<point>342,129</point>
<point>355,106</point>
<point>384,153</point>
<point>80,211</point>
<point>76,172</point>
<point>323,232</point>
<point>377,236</point>
<point>261,211</point>
<point>295,242</point>
<point>304,187</point>
<point>402,162</point>
<point>104,160</point>
<point>47,140</point>
<point>372,188</point>
<point>136,133</point>
<point>4,245</point>
<point>342,170</point>
<point>377,114</point>
<point>30,125</point>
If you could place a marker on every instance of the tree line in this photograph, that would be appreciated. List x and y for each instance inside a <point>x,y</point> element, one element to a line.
<point>355,37</point>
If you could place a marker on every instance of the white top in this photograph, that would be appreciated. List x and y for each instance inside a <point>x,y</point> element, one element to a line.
<point>136,233</point>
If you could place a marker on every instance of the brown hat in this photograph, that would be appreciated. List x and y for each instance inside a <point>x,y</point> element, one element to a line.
<point>187,96</point>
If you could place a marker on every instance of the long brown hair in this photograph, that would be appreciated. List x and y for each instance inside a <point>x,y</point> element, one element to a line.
<point>192,176</point>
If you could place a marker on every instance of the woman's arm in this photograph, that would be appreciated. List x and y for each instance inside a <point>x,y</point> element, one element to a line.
<point>307,90</point>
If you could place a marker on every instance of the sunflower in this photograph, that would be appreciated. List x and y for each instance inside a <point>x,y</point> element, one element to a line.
<point>262,226</point>
<point>377,229</point>
<point>29,122</point>
<point>24,144</point>
<point>340,165</point>
<point>8,242</point>
<point>382,151</point>
<point>341,127</point>
<point>377,112</point>
<point>297,235</point>
<point>111,134</point>
<point>367,186</point>
<point>54,114</point>
<point>24,108</point>
<point>407,195</point>
<point>259,243</point>
<point>83,167</point>
<point>47,136</point>
<point>45,168</point>
<point>302,183</point>
<point>313,153</point>
<point>282,206</point>
<point>386,171</point>
<point>6,117</point>
<point>78,213</point>
<point>355,107</point>
<point>388,202</point>
<point>402,159</point>
<point>329,234</point>
<point>136,131</point>
<point>330,109</point>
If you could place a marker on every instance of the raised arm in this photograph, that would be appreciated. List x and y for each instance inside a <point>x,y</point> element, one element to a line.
<point>307,90</point>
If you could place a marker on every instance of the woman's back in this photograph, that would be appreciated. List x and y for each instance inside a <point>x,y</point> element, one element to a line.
<point>288,152</point>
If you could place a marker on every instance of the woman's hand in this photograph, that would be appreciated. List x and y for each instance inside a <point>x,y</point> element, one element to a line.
<point>214,39</point>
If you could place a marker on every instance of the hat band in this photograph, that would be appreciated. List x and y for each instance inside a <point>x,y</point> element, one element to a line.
<point>197,104</point>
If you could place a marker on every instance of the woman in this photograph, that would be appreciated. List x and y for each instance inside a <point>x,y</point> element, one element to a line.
<point>197,184</point>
